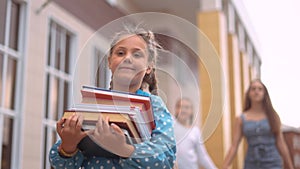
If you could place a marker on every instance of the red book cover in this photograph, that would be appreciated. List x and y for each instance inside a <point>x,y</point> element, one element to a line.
<point>104,96</point>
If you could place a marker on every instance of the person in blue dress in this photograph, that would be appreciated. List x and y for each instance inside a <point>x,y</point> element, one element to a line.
<point>261,126</point>
<point>131,59</point>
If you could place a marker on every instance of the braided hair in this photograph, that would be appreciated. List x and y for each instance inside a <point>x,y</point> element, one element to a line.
<point>152,46</point>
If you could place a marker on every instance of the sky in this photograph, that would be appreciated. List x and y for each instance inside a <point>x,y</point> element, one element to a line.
<point>277,27</point>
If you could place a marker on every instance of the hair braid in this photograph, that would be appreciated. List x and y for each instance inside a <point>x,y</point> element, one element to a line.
<point>152,81</point>
<point>111,83</point>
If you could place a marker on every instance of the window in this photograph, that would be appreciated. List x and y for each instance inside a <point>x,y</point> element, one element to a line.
<point>58,82</point>
<point>12,29</point>
<point>101,72</point>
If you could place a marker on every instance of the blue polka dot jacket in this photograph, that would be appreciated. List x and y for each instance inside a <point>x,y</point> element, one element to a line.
<point>158,152</point>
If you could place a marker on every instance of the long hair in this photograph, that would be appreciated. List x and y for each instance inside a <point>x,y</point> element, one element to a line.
<point>272,115</point>
<point>152,47</point>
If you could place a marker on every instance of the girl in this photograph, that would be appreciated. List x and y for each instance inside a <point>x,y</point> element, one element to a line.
<point>260,124</point>
<point>191,153</point>
<point>131,59</point>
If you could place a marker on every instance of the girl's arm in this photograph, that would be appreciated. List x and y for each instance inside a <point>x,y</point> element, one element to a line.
<point>283,150</point>
<point>203,157</point>
<point>70,133</point>
<point>59,162</point>
<point>237,136</point>
<point>160,151</point>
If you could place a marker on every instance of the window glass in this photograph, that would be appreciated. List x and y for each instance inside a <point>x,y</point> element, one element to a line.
<point>10,83</point>
<point>7,143</point>
<point>67,54</point>
<point>3,4</point>
<point>49,46</point>
<point>14,25</point>
<point>1,72</point>
<point>57,47</point>
<point>53,97</point>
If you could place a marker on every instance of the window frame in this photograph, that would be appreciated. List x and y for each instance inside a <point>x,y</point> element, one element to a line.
<point>49,124</point>
<point>20,56</point>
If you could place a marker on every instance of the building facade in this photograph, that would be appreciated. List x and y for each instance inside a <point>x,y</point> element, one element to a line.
<point>292,138</point>
<point>49,48</point>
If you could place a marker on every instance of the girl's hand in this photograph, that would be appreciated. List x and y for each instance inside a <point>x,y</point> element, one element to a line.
<point>111,138</point>
<point>70,132</point>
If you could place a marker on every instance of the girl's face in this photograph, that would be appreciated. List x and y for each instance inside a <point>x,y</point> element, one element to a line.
<point>256,92</point>
<point>184,111</point>
<point>129,61</point>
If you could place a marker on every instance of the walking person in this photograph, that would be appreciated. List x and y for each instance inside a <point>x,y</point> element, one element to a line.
<point>261,126</point>
<point>191,152</point>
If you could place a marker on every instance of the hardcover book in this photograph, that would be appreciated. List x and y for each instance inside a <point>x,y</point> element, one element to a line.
<point>132,113</point>
<point>121,118</point>
<point>95,95</point>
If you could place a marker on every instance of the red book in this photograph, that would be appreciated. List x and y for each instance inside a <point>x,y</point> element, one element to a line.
<point>93,95</point>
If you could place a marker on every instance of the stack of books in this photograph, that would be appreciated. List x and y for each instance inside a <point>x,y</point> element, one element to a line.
<point>132,113</point>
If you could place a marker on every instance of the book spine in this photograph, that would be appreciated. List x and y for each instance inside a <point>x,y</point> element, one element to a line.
<point>96,98</point>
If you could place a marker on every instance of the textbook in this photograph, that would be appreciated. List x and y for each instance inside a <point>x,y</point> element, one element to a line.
<point>121,116</point>
<point>94,95</point>
<point>131,119</point>
<point>130,115</point>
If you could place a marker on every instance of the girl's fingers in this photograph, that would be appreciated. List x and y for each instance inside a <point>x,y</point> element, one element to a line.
<point>79,122</point>
<point>73,121</point>
<point>59,125</point>
<point>99,125</point>
<point>116,128</point>
<point>67,121</point>
<point>105,124</point>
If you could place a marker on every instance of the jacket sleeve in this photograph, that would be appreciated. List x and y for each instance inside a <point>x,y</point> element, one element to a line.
<point>159,151</point>
<point>59,162</point>
<point>202,155</point>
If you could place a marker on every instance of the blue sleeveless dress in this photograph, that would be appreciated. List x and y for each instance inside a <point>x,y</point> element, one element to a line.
<point>262,151</point>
